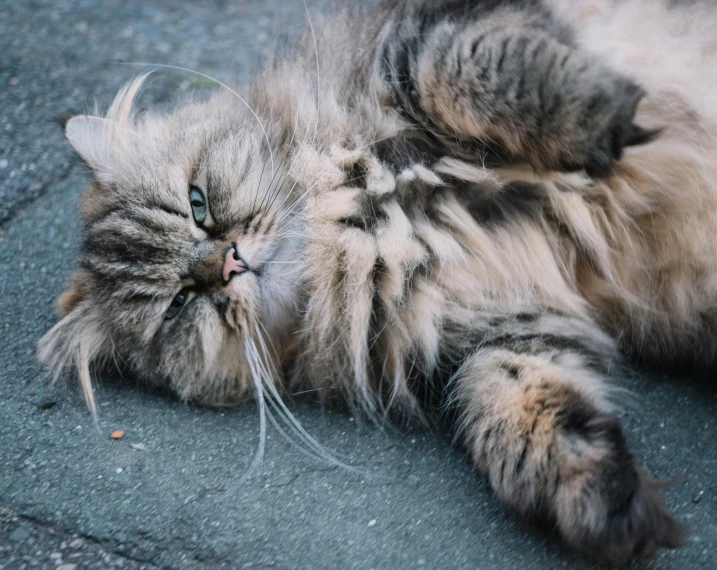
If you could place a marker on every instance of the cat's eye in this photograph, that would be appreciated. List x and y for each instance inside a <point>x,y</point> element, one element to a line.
<point>177,303</point>
<point>199,205</point>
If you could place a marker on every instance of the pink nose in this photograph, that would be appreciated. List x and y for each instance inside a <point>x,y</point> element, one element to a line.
<point>232,265</point>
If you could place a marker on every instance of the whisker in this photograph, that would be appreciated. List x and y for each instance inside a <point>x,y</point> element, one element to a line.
<point>315,446</point>
<point>221,84</point>
<point>290,192</point>
<point>318,71</point>
<point>261,404</point>
<point>258,186</point>
<point>266,200</point>
<point>286,157</point>
<point>308,391</point>
<point>288,439</point>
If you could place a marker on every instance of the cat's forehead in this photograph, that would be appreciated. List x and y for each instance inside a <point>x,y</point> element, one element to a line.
<point>164,161</point>
<point>208,152</point>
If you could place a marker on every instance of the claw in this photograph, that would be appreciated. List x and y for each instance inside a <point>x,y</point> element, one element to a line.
<point>636,135</point>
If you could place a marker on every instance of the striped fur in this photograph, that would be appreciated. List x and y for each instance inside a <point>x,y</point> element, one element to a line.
<point>469,204</point>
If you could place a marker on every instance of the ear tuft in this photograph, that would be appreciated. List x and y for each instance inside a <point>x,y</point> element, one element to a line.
<point>91,137</point>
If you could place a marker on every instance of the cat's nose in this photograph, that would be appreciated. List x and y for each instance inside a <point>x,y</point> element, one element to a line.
<point>233,264</point>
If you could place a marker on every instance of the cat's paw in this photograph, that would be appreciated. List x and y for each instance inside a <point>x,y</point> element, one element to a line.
<point>603,125</point>
<point>615,510</point>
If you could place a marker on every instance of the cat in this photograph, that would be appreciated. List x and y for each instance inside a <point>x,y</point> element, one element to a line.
<point>471,207</point>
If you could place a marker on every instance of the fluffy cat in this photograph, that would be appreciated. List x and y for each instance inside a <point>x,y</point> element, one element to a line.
<point>435,205</point>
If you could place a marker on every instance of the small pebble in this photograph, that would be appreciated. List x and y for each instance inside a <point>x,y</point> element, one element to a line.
<point>138,446</point>
<point>77,543</point>
<point>20,533</point>
<point>372,522</point>
<point>117,434</point>
<point>67,567</point>
<point>119,470</point>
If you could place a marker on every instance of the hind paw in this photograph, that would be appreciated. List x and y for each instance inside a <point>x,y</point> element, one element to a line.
<point>616,511</point>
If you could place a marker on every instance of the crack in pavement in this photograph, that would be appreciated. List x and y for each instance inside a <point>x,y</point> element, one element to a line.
<point>31,542</point>
<point>19,206</point>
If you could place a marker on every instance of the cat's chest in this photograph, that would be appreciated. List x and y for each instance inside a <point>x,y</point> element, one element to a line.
<point>363,231</point>
<point>365,260</point>
<point>372,249</point>
<point>400,240</point>
<point>379,223</point>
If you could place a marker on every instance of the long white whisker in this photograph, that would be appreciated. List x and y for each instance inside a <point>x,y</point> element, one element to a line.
<point>318,70</point>
<point>313,445</point>
<point>296,202</point>
<point>264,378</point>
<point>224,85</point>
<point>261,404</point>
<point>288,439</point>
<point>275,401</point>
<point>313,185</point>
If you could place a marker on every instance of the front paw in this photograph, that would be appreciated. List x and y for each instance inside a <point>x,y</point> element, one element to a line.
<point>603,126</point>
<point>614,510</point>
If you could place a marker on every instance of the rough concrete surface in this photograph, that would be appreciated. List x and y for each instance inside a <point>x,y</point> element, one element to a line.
<point>170,493</point>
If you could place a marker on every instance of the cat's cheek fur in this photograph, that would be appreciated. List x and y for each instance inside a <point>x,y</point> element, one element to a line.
<point>79,339</point>
<point>200,357</point>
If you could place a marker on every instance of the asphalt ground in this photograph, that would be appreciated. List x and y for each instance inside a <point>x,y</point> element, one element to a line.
<point>172,493</point>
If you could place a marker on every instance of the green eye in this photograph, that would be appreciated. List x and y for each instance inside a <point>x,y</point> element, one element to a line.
<point>199,205</point>
<point>177,303</point>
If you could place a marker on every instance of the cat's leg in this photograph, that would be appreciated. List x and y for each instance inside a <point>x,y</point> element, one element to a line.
<point>509,75</point>
<point>536,416</point>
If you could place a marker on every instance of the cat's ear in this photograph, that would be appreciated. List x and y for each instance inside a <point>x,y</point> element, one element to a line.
<point>94,140</point>
<point>79,339</point>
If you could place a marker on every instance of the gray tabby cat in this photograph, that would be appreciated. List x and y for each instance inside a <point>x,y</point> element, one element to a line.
<point>436,205</point>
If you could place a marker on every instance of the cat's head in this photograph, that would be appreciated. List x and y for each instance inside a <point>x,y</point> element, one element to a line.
<point>189,270</point>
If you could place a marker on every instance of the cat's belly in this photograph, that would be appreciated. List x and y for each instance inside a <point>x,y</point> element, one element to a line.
<point>400,250</point>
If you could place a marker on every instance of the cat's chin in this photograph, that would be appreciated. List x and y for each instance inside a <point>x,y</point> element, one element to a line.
<point>281,303</point>
<point>282,287</point>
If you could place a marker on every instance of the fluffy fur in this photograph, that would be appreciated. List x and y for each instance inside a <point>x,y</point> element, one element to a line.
<point>465,204</point>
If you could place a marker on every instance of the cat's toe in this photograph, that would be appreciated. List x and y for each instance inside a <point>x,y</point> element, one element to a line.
<point>633,522</point>
<point>642,526</point>
<point>606,127</point>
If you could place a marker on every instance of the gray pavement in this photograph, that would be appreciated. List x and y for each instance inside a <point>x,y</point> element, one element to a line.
<point>169,494</point>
